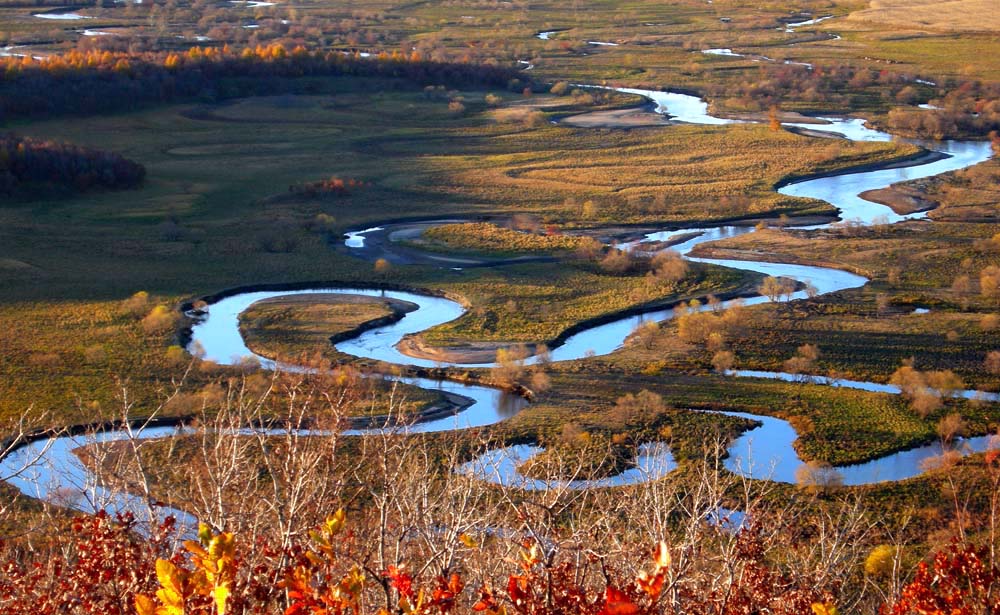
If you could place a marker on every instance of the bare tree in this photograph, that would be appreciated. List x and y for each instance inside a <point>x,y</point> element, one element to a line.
<point>645,333</point>
<point>723,361</point>
<point>775,288</point>
<point>16,456</point>
<point>950,427</point>
<point>669,266</point>
<point>803,362</point>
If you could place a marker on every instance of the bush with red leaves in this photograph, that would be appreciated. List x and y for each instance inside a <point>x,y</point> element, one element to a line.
<point>959,581</point>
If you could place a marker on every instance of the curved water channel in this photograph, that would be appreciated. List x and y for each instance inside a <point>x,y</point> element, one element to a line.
<point>765,451</point>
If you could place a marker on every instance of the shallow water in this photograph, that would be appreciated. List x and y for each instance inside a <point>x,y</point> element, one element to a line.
<point>809,22</point>
<point>775,437</point>
<point>722,52</point>
<point>844,190</point>
<point>356,239</point>
<point>61,16</point>
<point>680,107</point>
<point>500,466</point>
<point>766,452</point>
<point>61,478</point>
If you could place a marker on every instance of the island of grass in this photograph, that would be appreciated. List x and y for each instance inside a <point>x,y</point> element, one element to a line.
<point>286,328</point>
<point>488,239</point>
<point>301,330</point>
<point>543,303</point>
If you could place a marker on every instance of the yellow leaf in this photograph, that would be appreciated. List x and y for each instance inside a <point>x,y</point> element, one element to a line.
<point>172,602</point>
<point>468,541</point>
<point>195,548</point>
<point>170,577</point>
<point>353,582</point>
<point>531,557</point>
<point>420,600</point>
<point>319,538</point>
<point>827,608</point>
<point>221,596</point>
<point>335,522</point>
<point>221,546</point>
<point>144,605</point>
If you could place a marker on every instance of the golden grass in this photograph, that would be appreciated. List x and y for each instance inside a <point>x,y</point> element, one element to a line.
<point>490,238</point>
<point>933,15</point>
<point>535,303</point>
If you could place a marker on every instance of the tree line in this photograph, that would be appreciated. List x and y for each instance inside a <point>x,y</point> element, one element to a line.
<point>83,83</point>
<point>26,162</point>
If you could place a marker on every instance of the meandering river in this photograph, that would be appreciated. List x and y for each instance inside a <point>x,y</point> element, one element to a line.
<point>763,452</point>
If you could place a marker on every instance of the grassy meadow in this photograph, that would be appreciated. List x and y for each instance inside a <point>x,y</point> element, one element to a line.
<point>215,212</point>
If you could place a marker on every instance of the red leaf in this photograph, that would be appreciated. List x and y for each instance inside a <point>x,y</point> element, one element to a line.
<point>617,603</point>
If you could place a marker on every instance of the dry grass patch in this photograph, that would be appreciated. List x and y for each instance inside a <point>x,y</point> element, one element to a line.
<point>490,238</point>
<point>934,15</point>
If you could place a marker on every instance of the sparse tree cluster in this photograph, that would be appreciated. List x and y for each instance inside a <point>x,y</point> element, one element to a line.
<point>926,391</point>
<point>710,326</point>
<point>804,360</point>
<point>970,108</point>
<point>777,288</point>
<point>668,266</point>
<point>511,369</point>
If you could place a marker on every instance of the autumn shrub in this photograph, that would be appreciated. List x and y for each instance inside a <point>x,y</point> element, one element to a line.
<point>526,116</point>
<point>669,266</point>
<point>159,320</point>
<point>925,390</point>
<point>618,262</point>
<point>106,568</point>
<point>136,304</point>
<point>176,355</point>
<point>962,579</point>
<point>880,561</point>
<point>96,568</point>
<point>334,186</point>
